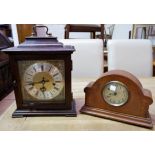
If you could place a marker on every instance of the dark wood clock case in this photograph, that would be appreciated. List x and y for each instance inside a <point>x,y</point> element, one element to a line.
<point>135,111</point>
<point>42,48</point>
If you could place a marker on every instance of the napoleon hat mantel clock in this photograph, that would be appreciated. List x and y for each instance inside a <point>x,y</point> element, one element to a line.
<point>41,68</point>
<point>118,95</point>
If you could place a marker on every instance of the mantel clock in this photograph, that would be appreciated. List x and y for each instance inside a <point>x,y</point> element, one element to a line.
<point>41,68</point>
<point>118,95</point>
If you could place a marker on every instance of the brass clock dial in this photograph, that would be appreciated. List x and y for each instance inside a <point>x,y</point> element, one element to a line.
<point>115,93</point>
<point>43,81</point>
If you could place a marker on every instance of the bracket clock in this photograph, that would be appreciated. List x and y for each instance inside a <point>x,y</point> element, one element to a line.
<point>41,68</point>
<point>118,95</point>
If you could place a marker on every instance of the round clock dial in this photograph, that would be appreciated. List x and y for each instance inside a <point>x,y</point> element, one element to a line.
<point>115,93</point>
<point>43,81</point>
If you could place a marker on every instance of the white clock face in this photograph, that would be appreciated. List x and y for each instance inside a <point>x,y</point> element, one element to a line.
<point>115,93</point>
<point>43,81</point>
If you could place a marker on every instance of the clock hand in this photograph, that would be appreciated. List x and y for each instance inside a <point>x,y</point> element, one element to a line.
<point>30,83</point>
<point>112,92</point>
<point>37,82</point>
<point>33,83</point>
<point>116,91</point>
<point>43,89</point>
<point>42,81</point>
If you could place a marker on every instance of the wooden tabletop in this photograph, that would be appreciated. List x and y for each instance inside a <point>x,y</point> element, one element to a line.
<point>81,122</point>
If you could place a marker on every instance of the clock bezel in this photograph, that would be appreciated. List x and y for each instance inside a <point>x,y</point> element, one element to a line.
<point>26,95</point>
<point>113,104</point>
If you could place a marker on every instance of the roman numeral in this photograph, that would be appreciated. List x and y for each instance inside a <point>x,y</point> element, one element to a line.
<point>50,69</point>
<point>44,95</point>
<point>37,93</point>
<point>42,67</point>
<point>30,88</point>
<point>56,88</point>
<point>58,81</point>
<point>28,74</point>
<point>34,69</point>
<point>56,74</point>
<point>29,83</point>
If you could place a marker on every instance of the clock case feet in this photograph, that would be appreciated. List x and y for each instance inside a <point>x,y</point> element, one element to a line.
<point>135,120</point>
<point>27,112</point>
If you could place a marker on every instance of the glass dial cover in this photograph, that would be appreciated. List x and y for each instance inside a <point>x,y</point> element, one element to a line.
<point>115,93</point>
<point>43,81</point>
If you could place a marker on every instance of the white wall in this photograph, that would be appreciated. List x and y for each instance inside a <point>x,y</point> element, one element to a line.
<point>57,30</point>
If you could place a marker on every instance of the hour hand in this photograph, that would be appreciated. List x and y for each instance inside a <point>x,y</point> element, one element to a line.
<point>43,89</point>
<point>38,82</point>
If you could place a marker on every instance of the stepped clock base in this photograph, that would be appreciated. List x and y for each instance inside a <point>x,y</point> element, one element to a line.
<point>26,113</point>
<point>139,121</point>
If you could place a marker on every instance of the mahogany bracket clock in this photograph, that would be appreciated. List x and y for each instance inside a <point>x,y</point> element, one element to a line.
<point>118,95</point>
<point>41,68</point>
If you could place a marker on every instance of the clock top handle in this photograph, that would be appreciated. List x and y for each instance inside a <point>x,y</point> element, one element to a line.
<point>34,33</point>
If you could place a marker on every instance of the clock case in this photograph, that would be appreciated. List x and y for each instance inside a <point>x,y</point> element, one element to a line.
<point>42,48</point>
<point>134,111</point>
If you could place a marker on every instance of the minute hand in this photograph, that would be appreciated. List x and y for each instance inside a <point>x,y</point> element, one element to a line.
<point>39,82</point>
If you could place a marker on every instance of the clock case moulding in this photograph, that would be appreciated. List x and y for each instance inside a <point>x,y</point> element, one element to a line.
<point>134,111</point>
<point>42,48</point>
